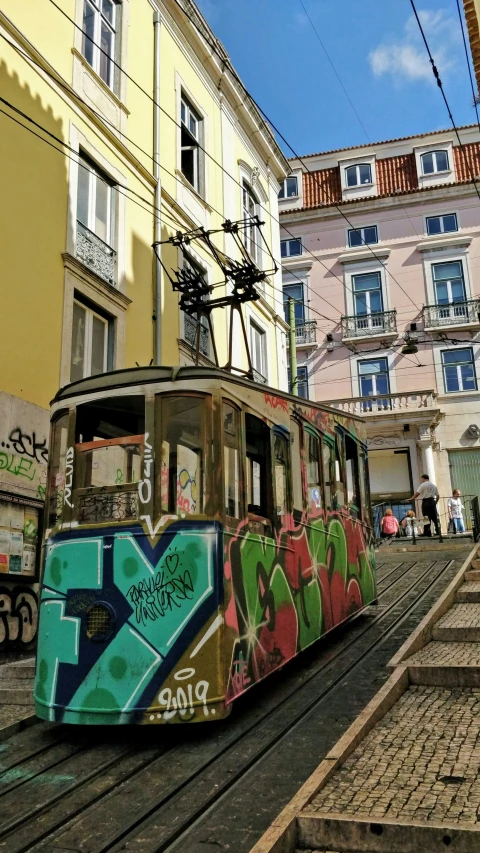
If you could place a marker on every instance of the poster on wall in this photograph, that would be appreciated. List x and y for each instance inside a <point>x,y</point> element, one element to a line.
<point>18,538</point>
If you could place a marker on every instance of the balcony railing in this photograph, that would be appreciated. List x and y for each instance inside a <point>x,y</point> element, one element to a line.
<point>366,325</point>
<point>95,254</point>
<point>259,377</point>
<point>190,334</point>
<point>453,314</point>
<point>385,403</point>
<point>305,333</point>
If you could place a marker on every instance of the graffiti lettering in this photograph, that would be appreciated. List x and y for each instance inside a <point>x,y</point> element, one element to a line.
<point>145,485</point>
<point>28,445</point>
<point>107,506</point>
<point>80,602</point>
<point>276,402</point>
<point>182,700</point>
<point>152,531</point>
<point>19,466</point>
<point>18,617</point>
<point>68,476</point>
<point>240,677</point>
<point>155,596</point>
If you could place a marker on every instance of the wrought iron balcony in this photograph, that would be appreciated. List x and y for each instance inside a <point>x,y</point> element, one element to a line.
<point>453,314</point>
<point>95,254</point>
<point>413,401</point>
<point>190,334</point>
<point>368,325</point>
<point>305,333</point>
<point>259,377</point>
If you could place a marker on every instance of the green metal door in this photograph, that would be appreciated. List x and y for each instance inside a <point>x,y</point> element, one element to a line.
<point>465,471</point>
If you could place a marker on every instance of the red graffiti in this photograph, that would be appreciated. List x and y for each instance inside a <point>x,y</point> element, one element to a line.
<point>276,402</point>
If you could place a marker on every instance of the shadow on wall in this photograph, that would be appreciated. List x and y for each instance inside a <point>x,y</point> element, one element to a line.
<point>34,181</point>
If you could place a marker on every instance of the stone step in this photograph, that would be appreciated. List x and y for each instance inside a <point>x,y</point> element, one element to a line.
<point>473,574</point>
<point>461,624</point>
<point>469,592</point>
<point>446,665</point>
<point>16,672</point>
<point>17,692</point>
<point>476,565</point>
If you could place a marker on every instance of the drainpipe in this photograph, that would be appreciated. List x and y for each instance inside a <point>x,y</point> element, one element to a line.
<point>157,233</point>
<point>293,348</point>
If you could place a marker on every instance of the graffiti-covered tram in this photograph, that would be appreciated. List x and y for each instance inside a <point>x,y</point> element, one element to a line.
<point>201,531</point>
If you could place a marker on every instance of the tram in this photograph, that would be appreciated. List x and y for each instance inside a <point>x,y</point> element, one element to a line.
<point>201,531</point>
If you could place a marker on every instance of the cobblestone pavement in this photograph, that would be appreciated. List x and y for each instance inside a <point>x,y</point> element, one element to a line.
<point>447,654</point>
<point>461,616</point>
<point>420,763</point>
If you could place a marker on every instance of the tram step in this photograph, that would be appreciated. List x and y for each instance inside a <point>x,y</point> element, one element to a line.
<point>461,624</point>
<point>473,574</point>
<point>16,692</point>
<point>469,592</point>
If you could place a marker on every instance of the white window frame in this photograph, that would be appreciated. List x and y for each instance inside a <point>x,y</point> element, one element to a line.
<point>191,112</point>
<point>283,185</point>
<point>434,153</point>
<point>366,293</point>
<point>358,183</point>
<point>95,174</point>
<point>461,390</point>
<point>99,19</point>
<point>433,178</point>
<point>366,356</point>
<point>287,242</point>
<point>247,216</point>
<point>448,282</point>
<point>361,231</point>
<point>90,313</point>
<point>359,268</point>
<point>441,217</point>
<point>255,326</point>
<point>359,190</point>
<point>437,257</point>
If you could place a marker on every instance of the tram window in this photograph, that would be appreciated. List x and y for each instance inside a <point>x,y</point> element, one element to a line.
<point>339,484</point>
<point>109,437</point>
<point>313,471</point>
<point>280,456</point>
<point>58,451</point>
<point>296,469</point>
<point>182,455</point>
<point>327,450</point>
<point>231,432</point>
<point>364,491</point>
<point>257,436</point>
<point>353,486</point>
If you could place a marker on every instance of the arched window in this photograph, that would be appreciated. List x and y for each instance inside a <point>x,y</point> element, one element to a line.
<point>357,175</point>
<point>250,208</point>
<point>435,161</point>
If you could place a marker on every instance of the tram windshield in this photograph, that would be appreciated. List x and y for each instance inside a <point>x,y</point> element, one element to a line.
<point>109,441</point>
<point>182,455</point>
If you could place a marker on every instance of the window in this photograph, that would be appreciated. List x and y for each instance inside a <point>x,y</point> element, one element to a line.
<point>448,282</point>
<point>373,377</point>
<point>352,466</point>
<point>56,485</point>
<point>339,479</point>
<point>189,321</point>
<point>357,175</point>
<point>367,300</point>
<point>258,351</point>
<point>89,355</point>
<point>289,188</point>
<point>442,224</point>
<point>327,458</point>
<point>182,464</point>
<point>191,139</point>
<point>231,433</point>
<point>291,248</point>
<point>314,486</point>
<point>434,161</point>
<point>302,381</point>
<point>251,235</point>
<point>95,200</point>
<point>295,292</point>
<point>363,236</point>
<point>280,463</point>
<point>257,436</point>
<point>459,370</point>
<point>100,23</point>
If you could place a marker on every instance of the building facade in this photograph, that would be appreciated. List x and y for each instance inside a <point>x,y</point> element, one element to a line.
<point>380,249</point>
<point>122,122</point>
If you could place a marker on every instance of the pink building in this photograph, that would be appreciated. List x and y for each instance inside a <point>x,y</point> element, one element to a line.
<point>381,249</point>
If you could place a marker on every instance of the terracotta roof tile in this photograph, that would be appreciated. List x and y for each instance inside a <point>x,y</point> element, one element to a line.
<point>396,173</point>
<point>473,25</point>
<point>467,162</point>
<point>322,187</point>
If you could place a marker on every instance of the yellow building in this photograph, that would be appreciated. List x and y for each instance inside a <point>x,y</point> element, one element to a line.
<point>121,122</point>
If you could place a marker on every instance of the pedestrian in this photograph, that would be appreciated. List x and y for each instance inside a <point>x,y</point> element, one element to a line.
<point>429,494</point>
<point>408,524</point>
<point>389,526</point>
<point>455,512</point>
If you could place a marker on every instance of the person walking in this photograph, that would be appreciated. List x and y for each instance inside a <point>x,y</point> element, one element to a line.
<point>429,494</point>
<point>455,512</point>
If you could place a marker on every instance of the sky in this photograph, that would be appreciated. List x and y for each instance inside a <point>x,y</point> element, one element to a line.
<point>377,51</point>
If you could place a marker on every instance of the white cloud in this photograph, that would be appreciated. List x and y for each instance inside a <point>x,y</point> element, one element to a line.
<point>406,58</point>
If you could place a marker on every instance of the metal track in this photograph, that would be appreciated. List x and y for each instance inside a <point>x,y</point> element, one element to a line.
<point>212,787</point>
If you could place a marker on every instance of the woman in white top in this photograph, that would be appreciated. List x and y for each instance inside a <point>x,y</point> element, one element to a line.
<point>455,511</point>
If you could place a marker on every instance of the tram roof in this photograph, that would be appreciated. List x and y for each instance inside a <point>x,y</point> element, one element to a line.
<point>152,374</point>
